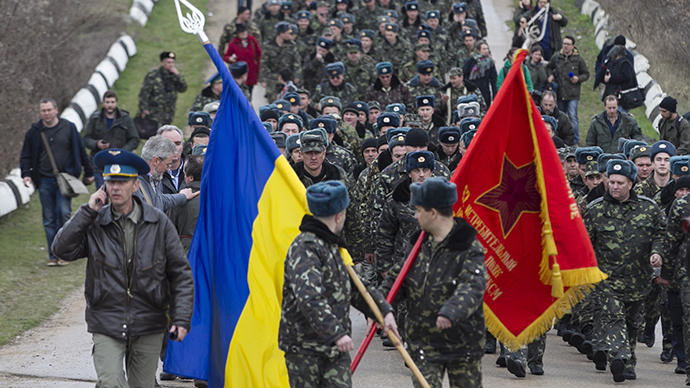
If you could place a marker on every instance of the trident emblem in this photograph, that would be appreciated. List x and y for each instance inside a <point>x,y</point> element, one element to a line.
<point>533,31</point>
<point>194,23</point>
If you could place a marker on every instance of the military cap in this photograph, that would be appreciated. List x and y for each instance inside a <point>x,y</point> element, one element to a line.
<point>422,47</point>
<point>303,15</point>
<point>397,140</point>
<point>351,107</point>
<point>348,18</point>
<point>470,110</point>
<point>417,137</point>
<point>663,146</point>
<point>203,131</point>
<point>335,69</point>
<point>362,106</point>
<point>374,105</point>
<point>286,5</point>
<point>294,29</point>
<point>630,144</point>
<point>424,34</point>
<point>293,98</point>
<point>321,4</point>
<point>421,101</point>
<point>283,105</point>
<point>216,78</point>
<point>166,55</point>
<point>449,135</point>
<point>622,167</point>
<point>592,168</point>
<point>369,142</point>
<point>367,34</point>
<point>384,68</point>
<point>282,27</point>
<point>393,132</point>
<point>326,122</point>
<point>469,123</point>
<point>565,153</point>
<point>240,27</point>
<point>413,120</point>
<point>380,141</point>
<point>391,13</point>
<point>469,32</point>
<point>551,121</point>
<point>211,107</point>
<point>324,43</point>
<point>459,7</point>
<point>425,67</point>
<point>467,137</point>
<point>269,114</point>
<point>640,151</point>
<point>433,14</point>
<point>467,99</point>
<point>419,159</point>
<point>199,118</point>
<point>273,2</point>
<point>388,119</point>
<point>470,23</point>
<point>435,192</point>
<point>412,6</point>
<point>199,149</point>
<point>120,165</point>
<point>680,165</point>
<point>587,154</point>
<point>383,19</point>
<point>327,198</point>
<point>331,101</point>
<point>392,27</point>
<point>279,138</point>
<point>238,69</point>
<point>396,108</point>
<point>336,23</point>
<point>268,126</point>
<point>455,71</point>
<point>292,142</point>
<point>621,144</point>
<point>290,118</point>
<point>366,1</point>
<point>313,140</point>
<point>603,159</point>
<point>342,1</point>
<point>354,45</point>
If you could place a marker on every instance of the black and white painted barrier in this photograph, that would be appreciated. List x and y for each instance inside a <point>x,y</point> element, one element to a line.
<point>649,87</point>
<point>140,11</point>
<point>13,194</point>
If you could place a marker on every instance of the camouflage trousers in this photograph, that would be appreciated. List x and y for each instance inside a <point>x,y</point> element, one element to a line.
<point>319,371</point>
<point>463,373</point>
<point>582,316</point>
<point>655,306</point>
<point>615,327</point>
<point>367,271</point>
<point>532,354</point>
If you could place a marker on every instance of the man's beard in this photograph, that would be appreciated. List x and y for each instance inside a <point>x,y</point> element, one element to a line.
<point>157,176</point>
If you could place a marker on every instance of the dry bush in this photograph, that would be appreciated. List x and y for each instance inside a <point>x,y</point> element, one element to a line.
<point>659,28</point>
<point>48,49</point>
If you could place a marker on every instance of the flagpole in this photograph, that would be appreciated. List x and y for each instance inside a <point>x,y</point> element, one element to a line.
<point>389,298</point>
<point>379,317</point>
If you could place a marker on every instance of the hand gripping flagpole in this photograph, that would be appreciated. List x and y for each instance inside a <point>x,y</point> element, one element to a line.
<point>379,317</point>
<point>194,23</point>
<point>389,298</point>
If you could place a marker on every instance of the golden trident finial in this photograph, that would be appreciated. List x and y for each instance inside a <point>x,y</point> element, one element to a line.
<point>194,23</point>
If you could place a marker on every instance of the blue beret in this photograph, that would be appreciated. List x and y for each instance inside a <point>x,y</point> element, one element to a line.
<point>396,108</point>
<point>425,101</point>
<point>348,18</point>
<point>630,144</point>
<point>336,23</point>
<point>268,126</point>
<point>467,137</point>
<point>324,43</point>
<point>663,146</point>
<point>435,192</point>
<point>279,138</point>
<point>303,15</point>
<point>469,32</point>
<point>412,6</point>
<point>313,140</point>
<point>391,13</point>
<point>425,67</point>
<point>238,69</point>
<point>587,154</point>
<point>603,160</point>
<point>335,69</point>
<point>433,14</point>
<point>449,135</point>
<point>120,165</point>
<point>292,142</point>
<point>459,7</point>
<point>362,107</point>
<point>290,118</point>
<point>331,101</point>
<point>367,34</point>
<point>282,27</point>
<point>680,165</point>
<point>284,105</point>
<point>469,123</point>
<point>328,198</point>
<point>640,151</point>
<point>293,98</point>
<point>392,27</point>
<point>467,99</point>
<point>551,120</point>
<point>394,132</point>
<point>622,167</point>
<point>199,118</point>
<point>327,123</point>
<point>388,119</point>
<point>419,159</point>
<point>424,34</point>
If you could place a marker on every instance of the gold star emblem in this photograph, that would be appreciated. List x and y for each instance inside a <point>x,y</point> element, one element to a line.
<point>643,149</point>
<point>401,138</point>
<point>280,106</point>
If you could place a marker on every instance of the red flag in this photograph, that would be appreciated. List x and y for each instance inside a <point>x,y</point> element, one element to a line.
<point>512,189</point>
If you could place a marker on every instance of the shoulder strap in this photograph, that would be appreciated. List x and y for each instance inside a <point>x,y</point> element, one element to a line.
<point>50,153</point>
<point>146,196</point>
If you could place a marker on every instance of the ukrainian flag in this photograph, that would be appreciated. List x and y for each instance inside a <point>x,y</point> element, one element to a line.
<point>251,207</point>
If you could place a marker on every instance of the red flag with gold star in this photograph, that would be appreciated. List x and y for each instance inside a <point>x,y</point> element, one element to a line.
<point>512,189</point>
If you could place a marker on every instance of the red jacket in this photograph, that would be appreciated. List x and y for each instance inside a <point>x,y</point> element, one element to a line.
<point>250,54</point>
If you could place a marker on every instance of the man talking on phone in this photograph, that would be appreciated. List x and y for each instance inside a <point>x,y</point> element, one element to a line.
<point>138,281</point>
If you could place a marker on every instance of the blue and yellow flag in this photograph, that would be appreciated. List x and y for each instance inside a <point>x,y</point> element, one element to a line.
<point>251,207</point>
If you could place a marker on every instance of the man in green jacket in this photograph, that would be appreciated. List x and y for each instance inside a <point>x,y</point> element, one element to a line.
<point>609,126</point>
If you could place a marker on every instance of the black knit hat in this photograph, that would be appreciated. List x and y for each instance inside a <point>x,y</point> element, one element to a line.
<point>669,103</point>
<point>417,137</point>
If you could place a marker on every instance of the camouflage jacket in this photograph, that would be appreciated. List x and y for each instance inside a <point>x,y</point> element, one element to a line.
<point>205,97</point>
<point>315,71</point>
<point>366,20</point>
<point>446,110</point>
<point>462,55</point>
<point>576,183</point>
<point>624,236</point>
<point>360,76</point>
<point>158,94</point>
<point>418,89</point>
<point>267,23</point>
<point>396,226</point>
<point>448,278</point>
<point>397,53</point>
<point>276,57</point>
<point>317,293</point>
<point>409,71</point>
<point>396,93</point>
<point>229,34</point>
<point>349,134</point>
<point>675,251</point>
<point>476,12</point>
<point>346,92</point>
<point>341,157</point>
<point>306,41</point>
<point>330,173</point>
<point>450,161</point>
<point>647,187</point>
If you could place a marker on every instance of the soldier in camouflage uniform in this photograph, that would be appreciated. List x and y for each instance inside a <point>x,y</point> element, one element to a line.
<point>626,233</point>
<point>465,48</point>
<point>305,35</point>
<point>476,12</point>
<point>335,154</point>
<point>453,90</point>
<point>360,70</point>
<point>278,53</point>
<point>315,325</point>
<point>449,152</point>
<point>268,21</point>
<point>335,85</point>
<point>367,37</point>
<point>444,290</point>
<point>314,167</point>
<point>158,94</point>
<point>424,83</point>
<point>394,49</point>
<point>439,35</point>
<point>422,53</point>
<point>661,154</point>
<point>388,89</point>
<point>315,65</point>
<point>209,94</point>
<point>243,16</point>
<point>366,15</point>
